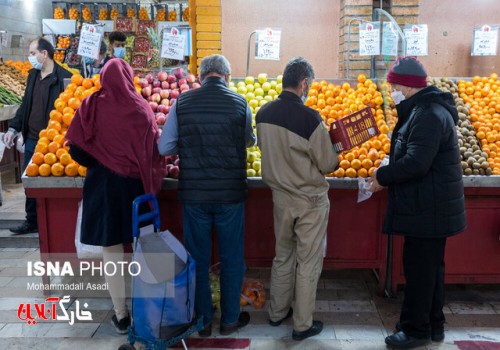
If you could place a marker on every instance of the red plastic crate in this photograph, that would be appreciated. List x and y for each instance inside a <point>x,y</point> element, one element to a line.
<point>353,130</point>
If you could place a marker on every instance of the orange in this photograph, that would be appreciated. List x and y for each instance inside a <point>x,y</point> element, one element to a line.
<point>68,110</point>
<point>77,79</point>
<point>349,156</point>
<point>371,170</point>
<point>387,148</point>
<point>37,158</point>
<point>32,169</point>
<point>65,159</point>
<point>361,78</point>
<point>57,169</point>
<point>373,155</point>
<point>54,146</point>
<point>350,172</point>
<point>50,158</point>
<point>67,118</point>
<point>74,103</point>
<point>71,169</point>
<point>356,164</point>
<point>87,83</point>
<point>42,133</point>
<point>363,172</point>
<point>367,163</point>
<point>82,171</point>
<point>59,152</point>
<point>44,170</point>
<point>384,129</point>
<point>59,139</point>
<point>340,172</point>
<point>59,105</point>
<point>42,148</point>
<point>54,125</point>
<point>376,144</point>
<point>51,133</point>
<point>44,139</point>
<point>344,164</point>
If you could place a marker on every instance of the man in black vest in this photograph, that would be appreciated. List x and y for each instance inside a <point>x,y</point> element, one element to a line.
<point>210,129</point>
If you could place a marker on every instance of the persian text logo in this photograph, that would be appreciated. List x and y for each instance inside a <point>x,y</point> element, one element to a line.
<point>47,311</point>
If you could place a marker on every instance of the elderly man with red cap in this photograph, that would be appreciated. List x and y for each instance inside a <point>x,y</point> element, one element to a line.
<point>426,197</point>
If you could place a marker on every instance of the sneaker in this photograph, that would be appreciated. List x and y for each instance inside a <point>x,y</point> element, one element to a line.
<point>25,228</point>
<point>278,323</point>
<point>315,329</point>
<point>243,320</point>
<point>122,325</point>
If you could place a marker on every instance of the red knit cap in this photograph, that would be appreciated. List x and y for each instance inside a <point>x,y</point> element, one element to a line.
<point>407,71</point>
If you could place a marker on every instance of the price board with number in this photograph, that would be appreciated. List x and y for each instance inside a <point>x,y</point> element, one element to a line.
<point>416,40</point>
<point>389,40</point>
<point>90,41</point>
<point>485,41</point>
<point>268,44</point>
<point>173,45</point>
<point>369,39</point>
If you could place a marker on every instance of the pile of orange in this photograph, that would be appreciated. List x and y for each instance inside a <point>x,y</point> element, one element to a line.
<point>51,155</point>
<point>58,13</point>
<point>59,55</point>
<point>143,14</point>
<point>161,15</point>
<point>23,67</point>
<point>63,42</point>
<point>172,16</point>
<point>87,14</point>
<point>103,14</point>
<point>73,13</point>
<point>482,94</point>
<point>338,101</point>
<point>114,14</point>
<point>131,13</point>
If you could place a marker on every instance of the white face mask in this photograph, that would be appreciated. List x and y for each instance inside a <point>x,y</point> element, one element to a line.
<point>397,96</point>
<point>34,62</point>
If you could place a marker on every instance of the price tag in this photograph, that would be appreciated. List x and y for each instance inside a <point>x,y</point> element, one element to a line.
<point>416,40</point>
<point>4,39</point>
<point>369,39</point>
<point>90,42</point>
<point>389,40</point>
<point>173,45</point>
<point>485,41</point>
<point>268,44</point>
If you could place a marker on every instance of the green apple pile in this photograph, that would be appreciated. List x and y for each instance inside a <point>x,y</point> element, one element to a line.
<point>257,92</point>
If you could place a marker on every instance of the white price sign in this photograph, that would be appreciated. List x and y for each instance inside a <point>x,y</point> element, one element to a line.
<point>268,44</point>
<point>485,41</point>
<point>173,45</point>
<point>90,42</point>
<point>369,39</point>
<point>389,40</point>
<point>416,40</point>
<point>4,39</point>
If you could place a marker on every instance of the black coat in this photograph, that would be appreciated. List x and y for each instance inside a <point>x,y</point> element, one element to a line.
<point>20,121</point>
<point>424,175</point>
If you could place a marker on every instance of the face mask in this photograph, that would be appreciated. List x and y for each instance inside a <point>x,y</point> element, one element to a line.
<point>34,62</point>
<point>305,93</point>
<point>119,52</point>
<point>89,60</point>
<point>398,97</point>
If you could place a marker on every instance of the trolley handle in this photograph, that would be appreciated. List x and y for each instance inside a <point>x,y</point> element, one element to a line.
<point>154,214</point>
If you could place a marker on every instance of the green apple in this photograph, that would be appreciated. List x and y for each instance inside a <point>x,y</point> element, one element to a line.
<point>279,79</point>
<point>231,83</point>
<point>262,78</point>
<point>241,83</point>
<point>253,103</point>
<point>259,92</point>
<point>233,88</point>
<point>268,98</point>
<point>257,85</point>
<point>258,98</point>
<point>272,93</point>
<point>249,96</point>
<point>279,88</point>
<point>275,97</point>
<point>266,86</point>
<point>251,157</point>
<point>249,80</point>
<point>273,84</point>
<point>259,173</point>
<point>250,87</point>
<point>256,165</point>
<point>251,173</point>
<point>242,89</point>
<point>249,165</point>
<point>262,102</point>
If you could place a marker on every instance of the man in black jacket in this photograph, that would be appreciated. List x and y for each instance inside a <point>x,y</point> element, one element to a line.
<point>45,83</point>
<point>426,197</point>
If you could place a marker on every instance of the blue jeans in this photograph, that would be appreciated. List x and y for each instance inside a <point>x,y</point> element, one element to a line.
<point>198,220</point>
<point>30,207</point>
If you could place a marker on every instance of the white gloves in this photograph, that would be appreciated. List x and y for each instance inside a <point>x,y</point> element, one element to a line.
<point>9,136</point>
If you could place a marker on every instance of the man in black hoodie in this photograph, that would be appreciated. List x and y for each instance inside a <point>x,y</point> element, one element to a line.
<point>426,197</point>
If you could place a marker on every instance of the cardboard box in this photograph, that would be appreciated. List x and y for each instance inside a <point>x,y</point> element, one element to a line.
<point>353,130</point>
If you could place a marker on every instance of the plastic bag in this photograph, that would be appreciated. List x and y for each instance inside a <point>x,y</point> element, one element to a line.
<point>364,183</point>
<point>20,143</point>
<point>253,293</point>
<point>84,251</point>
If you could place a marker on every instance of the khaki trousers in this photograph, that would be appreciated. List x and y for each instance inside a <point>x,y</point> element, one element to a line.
<point>300,234</point>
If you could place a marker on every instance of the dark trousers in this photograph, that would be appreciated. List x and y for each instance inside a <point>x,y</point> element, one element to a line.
<point>423,262</point>
<point>30,207</point>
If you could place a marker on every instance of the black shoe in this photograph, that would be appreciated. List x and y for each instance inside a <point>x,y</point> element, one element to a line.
<point>436,335</point>
<point>25,228</point>
<point>277,323</point>
<point>400,340</point>
<point>122,325</point>
<point>206,332</point>
<point>315,329</point>
<point>226,329</point>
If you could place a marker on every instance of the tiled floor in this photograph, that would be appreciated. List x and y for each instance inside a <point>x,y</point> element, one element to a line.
<point>354,314</point>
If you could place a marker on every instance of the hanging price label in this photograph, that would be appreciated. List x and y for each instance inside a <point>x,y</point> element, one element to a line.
<point>268,44</point>
<point>173,45</point>
<point>90,42</point>
<point>389,40</point>
<point>369,39</point>
<point>4,39</point>
<point>416,40</point>
<point>485,41</point>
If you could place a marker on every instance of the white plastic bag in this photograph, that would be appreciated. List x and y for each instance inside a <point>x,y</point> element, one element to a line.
<point>84,251</point>
<point>364,183</point>
<point>20,143</point>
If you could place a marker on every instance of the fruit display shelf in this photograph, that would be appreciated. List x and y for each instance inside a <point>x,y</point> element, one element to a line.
<point>354,238</point>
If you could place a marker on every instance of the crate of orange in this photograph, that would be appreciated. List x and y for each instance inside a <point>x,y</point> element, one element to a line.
<point>353,130</point>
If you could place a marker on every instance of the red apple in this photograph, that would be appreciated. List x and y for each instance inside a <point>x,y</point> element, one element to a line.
<point>174,94</point>
<point>174,172</point>
<point>184,87</point>
<point>165,102</point>
<point>161,118</point>
<point>143,82</point>
<point>179,72</point>
<point>149,78</point>
<point>190,78</point>
<point>156,90</point>
<point>153,106</point>
<point>146,92</point>
<point>156,98</point>
<point>164,93</point>
<point>171,79</point>
<point>173,86</point>
<point>196,85</point>
<point>182,81</point>
<point>162,108</point>
<point>165,85</point>
<point>162,76</point>
<point>156,83</point>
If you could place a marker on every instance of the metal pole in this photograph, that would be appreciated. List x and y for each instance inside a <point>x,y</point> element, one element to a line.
<point>248,51</point>
<point>349,42</point>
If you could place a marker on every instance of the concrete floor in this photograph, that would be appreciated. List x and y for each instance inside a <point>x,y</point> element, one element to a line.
<point>354,314</point>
